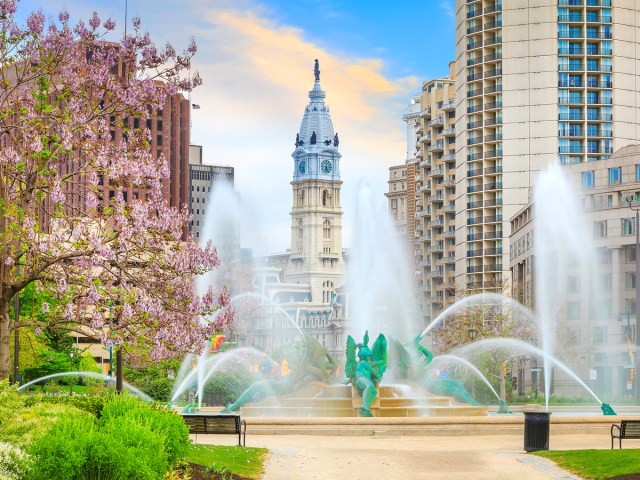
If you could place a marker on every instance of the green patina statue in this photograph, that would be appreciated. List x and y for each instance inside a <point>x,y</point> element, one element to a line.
<point>443,386</point>
<point>503,408</point>
<point>365,373</point>
<point>308,361</point>
<point>607,410</point>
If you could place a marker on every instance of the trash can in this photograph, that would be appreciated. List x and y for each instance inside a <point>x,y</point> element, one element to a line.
<point>536,431</point>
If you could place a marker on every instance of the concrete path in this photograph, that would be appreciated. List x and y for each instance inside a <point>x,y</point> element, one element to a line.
<point>307,457</point>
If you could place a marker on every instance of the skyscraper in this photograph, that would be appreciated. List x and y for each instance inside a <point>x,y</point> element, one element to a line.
<point>536,85</point>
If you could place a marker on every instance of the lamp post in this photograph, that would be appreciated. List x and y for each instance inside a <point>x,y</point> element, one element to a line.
<point>472,335</point>
<point>636,208</point>
<point>627,331</point>
<point>70,374</point>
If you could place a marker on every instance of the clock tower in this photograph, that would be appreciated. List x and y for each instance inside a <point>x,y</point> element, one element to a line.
<point>316,215</point>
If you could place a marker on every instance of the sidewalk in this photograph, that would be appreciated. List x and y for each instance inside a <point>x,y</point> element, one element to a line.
<point>306,457</point>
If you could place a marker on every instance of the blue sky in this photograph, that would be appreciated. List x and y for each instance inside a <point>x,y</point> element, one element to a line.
<point>256,59</point>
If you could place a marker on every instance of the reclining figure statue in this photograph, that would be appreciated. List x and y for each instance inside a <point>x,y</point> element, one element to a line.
<point>365,373</point>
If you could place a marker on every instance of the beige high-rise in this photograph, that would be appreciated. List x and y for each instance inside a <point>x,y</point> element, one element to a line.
<point>539,81</point>
<point>435,195</point>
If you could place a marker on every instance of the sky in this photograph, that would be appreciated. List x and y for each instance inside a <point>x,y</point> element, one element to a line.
<point>256,60</point>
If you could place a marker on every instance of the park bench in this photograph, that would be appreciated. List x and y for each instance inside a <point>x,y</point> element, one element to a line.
<point>626,429</point>
<point>216,423</point>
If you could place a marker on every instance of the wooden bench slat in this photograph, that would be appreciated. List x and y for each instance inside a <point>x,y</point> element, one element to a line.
<point>626,429</point>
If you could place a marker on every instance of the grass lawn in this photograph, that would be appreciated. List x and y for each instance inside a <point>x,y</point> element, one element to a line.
<point>244,461</point>
<point>597,464</point>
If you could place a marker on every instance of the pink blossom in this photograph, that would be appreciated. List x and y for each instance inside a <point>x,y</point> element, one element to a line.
<point>45,307</point>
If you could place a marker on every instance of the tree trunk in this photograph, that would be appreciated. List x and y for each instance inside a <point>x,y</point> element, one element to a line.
<point>5,334</point>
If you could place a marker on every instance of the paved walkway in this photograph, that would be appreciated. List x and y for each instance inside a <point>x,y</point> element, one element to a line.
<point>307,457</point>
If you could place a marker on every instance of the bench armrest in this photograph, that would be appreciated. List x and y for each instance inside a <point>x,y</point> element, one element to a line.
<point>615,426</point>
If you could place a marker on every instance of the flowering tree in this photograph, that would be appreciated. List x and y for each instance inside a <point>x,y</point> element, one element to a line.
<point>118,268</point>
<point>483,321</point>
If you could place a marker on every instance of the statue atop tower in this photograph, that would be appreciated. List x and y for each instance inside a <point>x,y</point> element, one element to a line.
<point>316,70</point>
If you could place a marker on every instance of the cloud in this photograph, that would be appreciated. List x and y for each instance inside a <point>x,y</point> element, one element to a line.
<point>257,73</point>
<point>449,8</point>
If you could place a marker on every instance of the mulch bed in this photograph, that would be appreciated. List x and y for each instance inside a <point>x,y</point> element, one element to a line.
<point>197,472</point>
<point>632,476</point>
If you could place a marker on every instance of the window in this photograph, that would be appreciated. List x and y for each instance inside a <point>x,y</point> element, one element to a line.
<point>600,229</point>
<point>630,280</point>
<point>630,254</point>
<point>605,282</point>
<point>326,230</point>
<point>573,284</point>
<point>600,335</point>
<point>573,310</point>
<point>638,172</point>
<point>587,179</point>
<point>615,176</point>
<point>628,226</point>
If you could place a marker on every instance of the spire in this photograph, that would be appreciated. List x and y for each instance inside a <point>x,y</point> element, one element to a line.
<point>316,93</point>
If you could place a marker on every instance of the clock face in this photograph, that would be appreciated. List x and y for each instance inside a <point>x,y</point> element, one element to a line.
<point>325,166</point>
<point>301,167</point>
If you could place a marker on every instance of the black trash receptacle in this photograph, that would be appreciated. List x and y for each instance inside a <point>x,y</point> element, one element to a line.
<point>536,431</point>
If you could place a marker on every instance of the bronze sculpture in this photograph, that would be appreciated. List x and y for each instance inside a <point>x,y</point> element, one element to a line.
<point>365,373</point>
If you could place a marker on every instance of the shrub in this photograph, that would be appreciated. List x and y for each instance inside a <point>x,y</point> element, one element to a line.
<point>89,403</point>
<point>229,385</point>
<point>10,401</point>
<point>13,462</point>
<point>166,423</point>
<point>78,448</point>
<point>34,421</point>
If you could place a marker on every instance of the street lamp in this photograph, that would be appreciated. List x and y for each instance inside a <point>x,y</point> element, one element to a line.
<point>70,374</point>
<point>627,331</point>
<point>472,335</point>
<point>636,208</point>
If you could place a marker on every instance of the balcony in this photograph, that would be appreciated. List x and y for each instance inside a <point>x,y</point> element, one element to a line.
<point>571,149</point>
<point>471,237</point>
<point>474,13</point>
<point>475,269</point>
<point>474,61</point>
<point>493,73</point>
<point>449,132</point>
<point>474,253</point>
<point>599,35</point>
<point>493,89</point>
<point>449,259</point>
<point>435,198</point>
<point>571,51</point>
<point>474,156</point>
<point>493,57</point>
<point>436,147</point>
<point>474,29</point>
<point>492,105</point>
<point>570,84</point>
<point>575,132</point>
<point>474,173</point>
<point>474,221</point>
<point>474,141</point>
<point>600,133</point>
<point>449,106</point>
<point>571,18</point>
<point>449,208</point>
<point>425,263</point>
<point>425,113</point>
<point>448,156</point>
<point>435,273</point>
<point>437,172</point>
<point>493,138</point>
<point>449,182</point>
<point>492,41</point>
<point>493,219</point>
<point>493,154</point>
<point>474,93</point>
<point>571,67</point>
<point>449,234</point>
<point>493,170</point>
<point>493,235</point>
<point>492,251</point>
<point>471,205</point>
<point>597,84</point>
<point>492,202</point>
<point>425,163</point>
<point>438,222</point>
<point>492,25</point>
<point>573,100</point>
<point>493,8</point>
<point>474,188</point>
<point>474,108</point>
<point>474,45</point>
<point>474,76</point>
<point>493,186</point>
<point>472,125</point>
<point>425,138</point>
<point>493,121</point>
<point>439,120</point>
<point>493,268</point>
<point>438,247</point>
<point>600,150</point>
